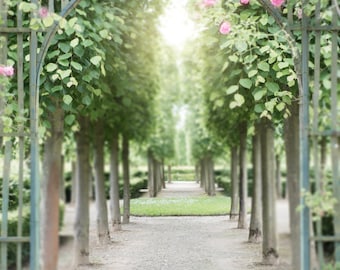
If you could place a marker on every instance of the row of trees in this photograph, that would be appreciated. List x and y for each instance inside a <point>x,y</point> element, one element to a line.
<point>249,80</point>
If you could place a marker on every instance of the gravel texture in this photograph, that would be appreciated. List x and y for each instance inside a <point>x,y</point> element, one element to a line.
<point>177,243</point>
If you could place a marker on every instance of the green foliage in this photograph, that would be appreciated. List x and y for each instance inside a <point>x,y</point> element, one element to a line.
<point>201,206</point>
<point>13,195</point>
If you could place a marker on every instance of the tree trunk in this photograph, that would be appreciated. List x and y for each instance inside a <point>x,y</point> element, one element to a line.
<point>242,218</point>
<point>163,174</point>
<point>169,174</point>
<point>126,177</point>
<point>197,173</point>
<point>62,181</point>
<point>81,228</point>
<point>114,183</point>
<point>202,174</point>
<point>292,146</point>
<point>234,209</point>
<point>269,245</point>
<point>255,229</point>
<point>73,183</point>
<point>210,174</point>
<point>151,178</point>
<point>101,205</point>
<point>50,199</point>
<point>278,176</point>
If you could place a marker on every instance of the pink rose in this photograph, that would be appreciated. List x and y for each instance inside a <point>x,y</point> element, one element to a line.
<point>299,13</point>
<point>225,28</point>
<point>209,3</point>
<point>244,2</point>
<point>7,71</point>
<point>43,12</point>
<point>277,3</point>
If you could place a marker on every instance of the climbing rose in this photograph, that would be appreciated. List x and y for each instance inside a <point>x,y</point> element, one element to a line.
<point>6,71</point>
<point>244,2</point>
<point>209,3</point>
<point>277,3</point>
<point>299,13</point>
<point>43,12</point>
<point>225,28</point>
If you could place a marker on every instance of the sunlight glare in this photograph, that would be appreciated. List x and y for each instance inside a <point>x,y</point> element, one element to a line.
<point>175,24</point>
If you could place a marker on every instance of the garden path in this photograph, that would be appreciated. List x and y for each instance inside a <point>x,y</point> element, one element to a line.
<point>178,243</point>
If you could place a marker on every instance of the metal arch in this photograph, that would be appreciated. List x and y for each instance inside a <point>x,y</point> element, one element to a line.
<point>35,70</point>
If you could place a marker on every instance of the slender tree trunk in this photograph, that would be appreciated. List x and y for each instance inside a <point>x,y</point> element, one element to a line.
<point>114,183</point>
<point>62,181</point>
<point>197,173</point>
<point>163,174</point>
<point>278,176</point>
<point>292,146</point>
<point>169,174</point>
<point>101,205</point>
<point>202,173</point>
<point>235,199</point>
<point>242,219</point>
<point>210,174</point>
<point>73,183</point>
<point>151,177</point>
<point>52,176</point>
<point>255,229</point>
<point>81,228</point>
<point>269,245</point>
<point>126,177</point>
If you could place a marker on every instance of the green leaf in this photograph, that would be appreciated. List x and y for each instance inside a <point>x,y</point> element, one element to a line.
<point>246,83</point>
<point>239,99</point>
<point>283,65</point>
<point>67,99</point>
<point>27,7</point>
<point>48,21</point>
<point>56,88</point>
<point>259,108</point>
<point>272,87</point>
<point>95,60</point>
<point>252,73</point>
<point>258,94</point>
<point>233,105</point>
<point>104,33</point>
<point>232,89</point>
<point>280,107</point>
<point>69,119</point>
<point>264,19</point>
<point>87,43</point>
<point>218,103</point>
<point>64,47</point>
<point>64,56</point>
<point>50,67</point>
<point>64,73</point>
<point>241,46</point>
<point>233,58</point>
<point>263,66</point>
<point>86,100</point>
<point>74,42</point>
<point>76,66</point>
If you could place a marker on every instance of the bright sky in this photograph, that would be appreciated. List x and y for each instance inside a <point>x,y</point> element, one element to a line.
<point>176,26</point>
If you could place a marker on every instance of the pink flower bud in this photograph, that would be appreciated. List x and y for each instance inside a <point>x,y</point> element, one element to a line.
<point>209,3</point>
<point>277,3</point>
<point>225,28</point>
<point>299,13</point>
<point>7,71</point>
<point>244,2</point>
<point>43,12</point>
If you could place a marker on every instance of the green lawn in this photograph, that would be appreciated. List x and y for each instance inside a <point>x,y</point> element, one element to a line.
<point>201,206</point>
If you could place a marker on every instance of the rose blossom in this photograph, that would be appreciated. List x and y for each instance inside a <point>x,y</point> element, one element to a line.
<point>225,28</point>
<point>7,71</point>
<point>277,3</point>
<point>209,3</point>
<point>43,12</point>
<point>244,2</point>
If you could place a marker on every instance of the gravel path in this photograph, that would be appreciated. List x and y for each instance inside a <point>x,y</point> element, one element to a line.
<point>178,243</point>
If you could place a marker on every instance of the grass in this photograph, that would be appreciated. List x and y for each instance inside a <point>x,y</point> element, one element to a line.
<point>194,206</point>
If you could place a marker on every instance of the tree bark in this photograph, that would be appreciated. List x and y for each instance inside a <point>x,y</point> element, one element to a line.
<point>269,245</point>
<point>50,199</point>
<point>169,174</point>
<point>242,218</point>
<point>210,176</point>
<point>234,209</point>
<point>151,177</point>
<point>126,177</point>
<point>73,183</point>
<point>202,174</point>
<point>278,176</point>
<point>292,146</point>
<point>197,173</point>
<point>114,183</point>
<point>255,229</point>
<point>81,228</point>
<point>101,205</point>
